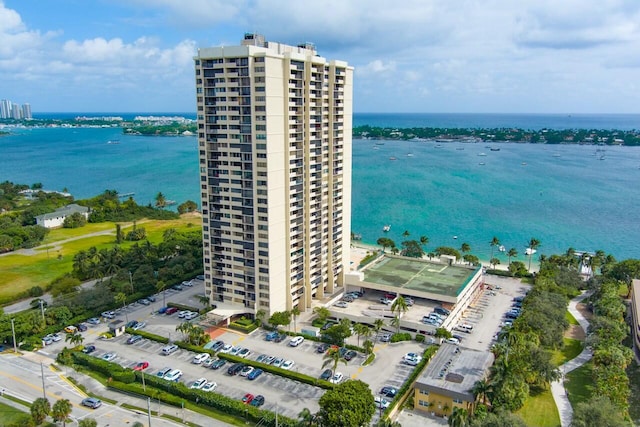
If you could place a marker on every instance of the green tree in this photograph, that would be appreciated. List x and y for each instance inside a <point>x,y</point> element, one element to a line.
<point>188,206</point>
<point>395,322</point>
<point>349,404</point>
<point>368,346</point>
<point>597,412</point>
<point>186,328</point>
<point>533,245</point>
<point>40,409</point>
<point>323,313</point>
<point>204,300</point>
<point>412,248</point>
<point>442,333</point>
<point>87,422</point>
<point>119,234</point>
<point>481,389</point>
<point>74,338</point>
<point>465,247</point>
<point>332,358</point>
<point>378,324</point>
<point>121,298</point>
<point>424,240</point>
<point>399,306</point>
<point>459,417</point>
<point>494,242</point>
<point>511,254</point>
<point>61,410</point>
<point>306,418</point>
<point>260,315</point>
<point>75,220</point>
<point>161,201</point>
<point>361,330</point>
<point>470,259</point>
<point>494,261</point>
<point>280,318</point>
<point>385,242</point>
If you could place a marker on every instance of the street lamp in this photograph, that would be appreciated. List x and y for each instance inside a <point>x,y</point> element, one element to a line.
<point>13,332</point>
<point>131,280</point>
<point>42,309</point>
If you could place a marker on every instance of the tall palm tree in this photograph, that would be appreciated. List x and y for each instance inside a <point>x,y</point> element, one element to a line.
<point>494,242</point>
<point>533,245</point>
<point>61,410</point>
<point>361,329</point>
<point>295,312</point>
<point>161,201</point>
<point>459,417</point>
<point>481,389</point>
<point>74,338</point>
<point>332,358</point>
<point>399,306</point>
<point>306,418</point>
<point>465,247</point>
<point>160,287</point>
<point>395,322</point>
<point>377,327</point>
<point>511,254</point>
<point>186,328</point>
<point>406,233</point>
<point>424,240</point>
<point>260,315</point>
<point>368,346</point>
<point>40,408</point>
<point>121,298</point>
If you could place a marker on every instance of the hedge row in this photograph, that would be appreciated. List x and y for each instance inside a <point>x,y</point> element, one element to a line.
<point>148,335</point>
<point>247,329</point>
<point>184,307</point>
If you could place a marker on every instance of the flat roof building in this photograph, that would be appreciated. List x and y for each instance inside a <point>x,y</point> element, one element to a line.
<point>274,137</point>
<point>447,381</point>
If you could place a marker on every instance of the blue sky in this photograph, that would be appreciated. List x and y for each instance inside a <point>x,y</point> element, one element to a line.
<point>483,56</point>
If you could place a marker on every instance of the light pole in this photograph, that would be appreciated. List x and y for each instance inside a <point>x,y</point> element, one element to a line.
<point>44,391</point>
<point>131,280</point>
<point>13,332</point>
<point>42,309</point>
<point>148,407</point>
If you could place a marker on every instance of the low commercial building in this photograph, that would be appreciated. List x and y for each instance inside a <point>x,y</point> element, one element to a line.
<point>447,381</point>
<point>56,218</point>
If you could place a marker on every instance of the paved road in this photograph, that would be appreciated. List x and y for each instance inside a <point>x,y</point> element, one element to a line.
<point>557,387</point>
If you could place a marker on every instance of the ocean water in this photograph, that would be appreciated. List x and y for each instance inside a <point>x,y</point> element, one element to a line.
<point>564,196</point>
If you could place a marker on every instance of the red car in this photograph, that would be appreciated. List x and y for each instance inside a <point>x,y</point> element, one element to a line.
<point>247,398</point>
<point>141,366</point>
<point>170,311</point>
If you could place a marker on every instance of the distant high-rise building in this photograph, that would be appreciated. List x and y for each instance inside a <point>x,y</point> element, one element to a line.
<point>274,135</point>
<point>5,109</point>
<point>26,111</point>
<point>9,110</point>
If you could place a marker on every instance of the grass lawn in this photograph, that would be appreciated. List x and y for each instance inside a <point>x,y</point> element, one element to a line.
<point>572,320</point>
<point>579,384</point>
<point>540,410</point>
<point>633,372</point>
<point>9,414</point>
<point>571,349</point>
<point>20,272</point>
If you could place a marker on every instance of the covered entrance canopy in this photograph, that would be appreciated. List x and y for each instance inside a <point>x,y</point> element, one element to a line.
<point>224,311</point>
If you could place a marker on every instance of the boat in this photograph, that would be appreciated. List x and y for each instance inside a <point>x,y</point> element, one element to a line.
<point>530,251</point>
<point>376,148</point>
<point>481,163</point>
<point>501,248</point>
<point>524,163</point>
<point>113,141</point>
<point>556,154</point>
<point>455,237</point>
<point>482,154</point>
<point>438,146</point>
<point>494,149</point>
<point>410,155</point>
<point>386,228</point>
<point>379,143</point>
<point>460,148</point>
<point>393,158</point>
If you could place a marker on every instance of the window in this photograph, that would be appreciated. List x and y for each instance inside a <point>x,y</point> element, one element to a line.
<point>259,88</point>
<point>423,403</point>
<point>259,69</point>
<point>458,401</point>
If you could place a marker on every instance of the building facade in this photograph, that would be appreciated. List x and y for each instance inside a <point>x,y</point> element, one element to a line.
<point>274,136</point>
<point>56,218</point>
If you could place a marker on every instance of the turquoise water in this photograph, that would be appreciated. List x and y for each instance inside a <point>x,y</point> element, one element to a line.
<point>564,195</point>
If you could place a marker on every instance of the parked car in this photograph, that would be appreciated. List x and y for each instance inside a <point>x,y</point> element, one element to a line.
<point>199,358</point>
<point>89,349</point>
<point>207,363</point>
<point>151,298</point>
<point>385,337</point>
<point>198,384</point>
<point>296,341</point>
<point>235,368</point>
<point>144,301</point>
<point>244,353</point>
<point>322,347</point>
<point>280,338</point>
<point>56,337</point>
<point>327,325</point>
<point>278,362</point>
<point>247,398</point>
<point>134,339</point>
<point>326,374</point>
<point>452,340</point>
<point>218,364</point>
<point>71,329</point>
<point>389,391</point>
<point>350,355</point>
<point>163,310</point>
<point>226,348</point>
<point>109,356</point>
<point>162,372</point>
<point>217,345</point>
<point>336,378</point>
<point>200,277</point>
<point>341,304</point>
<point>138,325</point>
<point>177,287</point>
<point>381,402</point>
<point>47,340</point>
<point>108,314</point>
<point>169,349</point>
<point>93,321</point>
<point>271,336</point>
<point>441,310</point>
<point>257,401</point>
<point>183,313</point>
<point>288,365</point>
<point>131,324</point>
<point>141,366</point>
<point>92,402</point>
<point>170,311</point>
<point>254,374</point>
<point>173,375</point>
<point>209,386</point>
<point>191,315</point>
<point>246,371</point>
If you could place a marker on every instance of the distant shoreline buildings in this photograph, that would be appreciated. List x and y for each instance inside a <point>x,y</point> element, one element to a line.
<point>11,110</point>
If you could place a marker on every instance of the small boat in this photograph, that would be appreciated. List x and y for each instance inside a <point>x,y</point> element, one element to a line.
<point>438,146</point>
<point>460,148</point>
<point>482,154</point>
<point>410,155</point>
<point>494,149</point>
<point>455,237</point>
<point>379,143</point>
<point>530,251</point>
<point>524,163</point>
<point>393,158</point>
<point>386,228</point>
<point>481,163</point>
<point>113,141</point>
<point>501,248</point>
<point>556,154</point>
<point>376,148</point>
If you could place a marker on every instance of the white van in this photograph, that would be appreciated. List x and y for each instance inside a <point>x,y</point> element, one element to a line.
<point>173,375</point>
<point>200,358</point>
<point>169,349</point>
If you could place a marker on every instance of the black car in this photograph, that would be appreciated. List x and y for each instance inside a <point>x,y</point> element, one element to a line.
<point>280,338</point>
<point>326,374</point>
<point>218,364</point>
<point>217,345</point>
<point>235,368</point>
<point>131,323</point>
<point>389,391</point>
<point>350,355</point>
<point>257,401</point>
<point>322,347</point>
<point>134,339</point>
<point>89,349</point>
<point>327,326</point>
<point>82,327</point>
<point>441,310</point>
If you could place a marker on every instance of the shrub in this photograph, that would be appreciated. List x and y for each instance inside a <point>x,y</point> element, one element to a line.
<point>36,291</point>
<point>148,335</point>
<point>242,328</point>
<point>420,338</point>
<point>402,336</point>
<point>183,307</point>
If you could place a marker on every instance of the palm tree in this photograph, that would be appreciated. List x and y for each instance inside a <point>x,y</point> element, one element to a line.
<point>459,417</point>
<point>494,262</point>
<point>323,313</point>
<point>197,335</point>
<point>406,233</point>
<point>424,240</point>
<point>61,410</point>
<point>395,322</point>
<point>533,245</point>
<point>511,254</point>
<point>333,357</point>
<point>481,389</point>
<point>494,242</point>
<point>442,333</point>
<point>368,346</point>
<point>186,328</point>
<point>465,247</point>
<point>121,298</point>
<point>399,306</point>
<point>161,201</point>
<point>377,327</point>
<point>361,330</point>
<point>260,315</point>
<point>40,409</point>
<point>204,300</point>
<point>160,287</point>
<point>295,312</point>
<point>75,338</point>
<point>306,418</point>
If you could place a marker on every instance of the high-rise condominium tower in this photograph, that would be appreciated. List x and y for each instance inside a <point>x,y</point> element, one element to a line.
<point>274,136</point>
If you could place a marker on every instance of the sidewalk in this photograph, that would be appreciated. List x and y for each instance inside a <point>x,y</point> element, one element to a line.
<point>557,387</point>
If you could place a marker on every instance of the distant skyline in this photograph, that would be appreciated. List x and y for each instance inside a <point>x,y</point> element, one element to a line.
<point>473,56</point>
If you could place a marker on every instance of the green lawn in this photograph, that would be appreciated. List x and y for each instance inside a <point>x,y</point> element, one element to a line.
<point>572,320</point>
<point>540,410</point>
<point>579,384</point>
<point>21,272</point>
<point>571,349</point>
<point>9,414</point>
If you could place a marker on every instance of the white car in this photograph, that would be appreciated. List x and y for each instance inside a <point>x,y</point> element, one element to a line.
<point>183,313</point>
<point>341,304</point>
<point>210,386</point>
<point>246,371</point>
<point>191,315</point>
<point>200,358</point>
<point>336,378</point>
<point>109,356</point>
<point>235,350</point>
<point>296,341</point>
<point>226,349</point>
<point>173,375</point>
<point>199,383</point>
<point>453,340</point>
<point>380,402</point>
<point>288,365</point>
